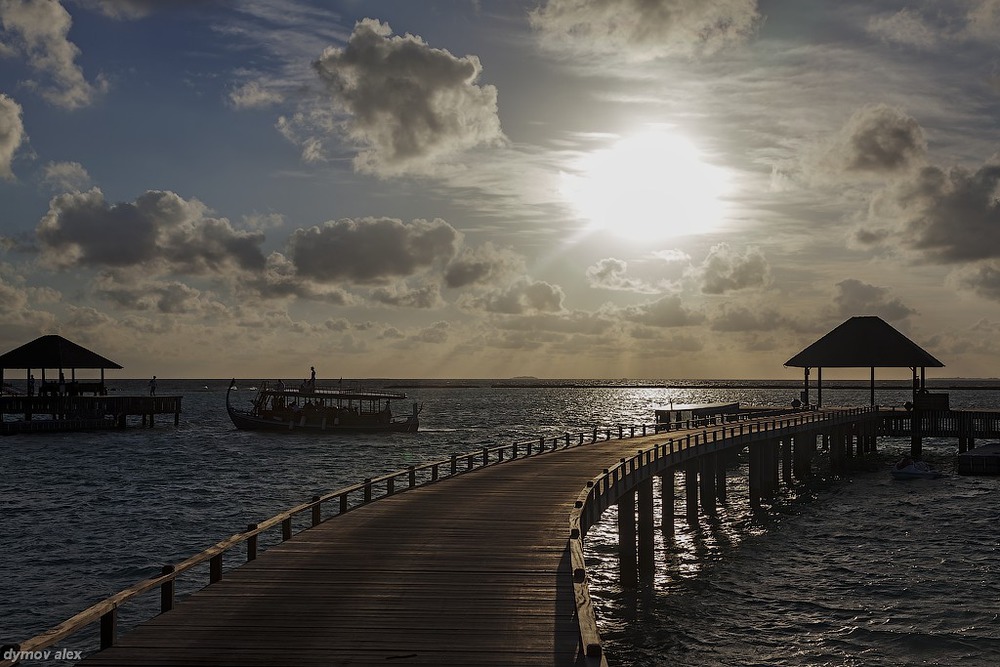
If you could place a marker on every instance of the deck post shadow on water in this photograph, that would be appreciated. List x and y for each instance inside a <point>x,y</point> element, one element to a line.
<point>479,558</point>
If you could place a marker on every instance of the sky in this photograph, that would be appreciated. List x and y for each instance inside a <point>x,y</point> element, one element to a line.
<point>498,188</point>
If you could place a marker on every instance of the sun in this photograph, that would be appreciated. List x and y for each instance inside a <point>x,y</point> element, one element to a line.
<point>648,186</point>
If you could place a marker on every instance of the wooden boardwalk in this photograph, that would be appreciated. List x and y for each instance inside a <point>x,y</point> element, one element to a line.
<point>472,570</point>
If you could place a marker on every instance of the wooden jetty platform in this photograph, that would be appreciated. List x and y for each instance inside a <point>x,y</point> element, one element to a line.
<point>460,569</point>
<point>54,412</point>
<point>476,560</point>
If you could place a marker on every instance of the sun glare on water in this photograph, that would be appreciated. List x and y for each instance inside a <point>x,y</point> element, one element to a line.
<point>649,186</point>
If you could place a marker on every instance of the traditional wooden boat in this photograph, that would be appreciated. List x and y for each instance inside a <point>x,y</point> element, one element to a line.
<point>321,409</point>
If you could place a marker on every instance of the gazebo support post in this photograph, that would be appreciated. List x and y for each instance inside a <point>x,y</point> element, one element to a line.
<point>805,388</point>
<point>873,387</point>
<point>819,387</point>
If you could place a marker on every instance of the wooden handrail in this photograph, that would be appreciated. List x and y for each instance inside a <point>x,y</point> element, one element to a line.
<point>595,498</point>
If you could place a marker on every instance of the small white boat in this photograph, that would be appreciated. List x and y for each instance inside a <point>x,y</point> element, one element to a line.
<point>906,468</point>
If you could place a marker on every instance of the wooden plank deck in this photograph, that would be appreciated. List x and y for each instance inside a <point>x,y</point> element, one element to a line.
<point>473,570</point>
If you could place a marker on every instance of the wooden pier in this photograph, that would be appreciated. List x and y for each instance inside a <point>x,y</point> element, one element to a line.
<point>476,560</point>
<point>79,413</point>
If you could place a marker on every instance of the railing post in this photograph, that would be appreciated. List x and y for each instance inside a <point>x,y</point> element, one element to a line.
<point>469,462</point>
<point>513,451</point>
<point>109,628</point>
<point>486,456</point>
<point>317,513</point>
<point>595,435</point>
<point>251,546</point>
<point>567,439</point>
<point>286,529</point>
<point>343,503</point>
<point>621,432</point>
<point>368,489</point>
<point>215,569</point>
<point>167,590</point>
<point>454,463</point>
<point>413,476</point>
<point>581,437</point>
<point>434,472</point>
<point>541,444</point>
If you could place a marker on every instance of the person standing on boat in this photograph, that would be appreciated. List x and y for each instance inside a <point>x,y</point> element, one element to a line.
<point>312,377</point>
<point>152,386</point>
<point>31,385</point>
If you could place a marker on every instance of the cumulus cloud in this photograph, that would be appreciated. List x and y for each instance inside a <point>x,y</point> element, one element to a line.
<point>253,95</point>
<point>371,250</point>
<point>486,264</point>
<point>666,312</point>
<point>726,270</point>
<point>907,27</point>
<point>280,280</point>
<point>940,216</point>
<point>422,296</point>
<point>878,140</point>
<point>523,297</point>
<point>854,297</point>
<point>159,231</point>
<point>66,176</point>
<point>39,31</point>
<point>983,278</point>
<point>11,134</point>
<point>611,274</point>
<point>407,104</point>
<point>640,29</point>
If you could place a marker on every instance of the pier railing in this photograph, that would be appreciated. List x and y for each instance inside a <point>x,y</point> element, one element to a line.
<point>341,501</point>
<point>604,490</point>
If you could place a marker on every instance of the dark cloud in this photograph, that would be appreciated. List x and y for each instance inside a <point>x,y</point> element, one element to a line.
<point>523,297</point>
<point>726,270</point>
<point>641,29</point>
<point>159,231</point>
<point>486,264</point>
<point>424,296</point>
<point>854,298</point>
<point>878,140</point>
<point>371,250</point>
<point>982,278</point>
<point>280,280</point>
<point>11,134</point>
<point>407,103</point>
<point>665,312</point>
<point>942,216</point>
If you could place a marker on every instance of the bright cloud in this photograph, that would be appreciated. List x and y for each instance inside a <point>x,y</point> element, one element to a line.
<point>11,134</point>
<point>407,104</point>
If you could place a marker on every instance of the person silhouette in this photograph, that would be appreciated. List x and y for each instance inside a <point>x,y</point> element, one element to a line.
<point>152,386</point>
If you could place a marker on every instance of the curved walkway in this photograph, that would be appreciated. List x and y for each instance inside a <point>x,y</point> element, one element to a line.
<point>472,570</point>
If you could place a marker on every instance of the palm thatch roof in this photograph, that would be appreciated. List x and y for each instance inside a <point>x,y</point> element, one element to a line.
<point>864,342</point>
<point>54,351</point>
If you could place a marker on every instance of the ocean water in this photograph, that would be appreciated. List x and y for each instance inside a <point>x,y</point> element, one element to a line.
<point>856,571</point>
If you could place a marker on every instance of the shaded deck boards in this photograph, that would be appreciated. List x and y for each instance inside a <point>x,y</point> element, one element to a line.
<point>471,570</point>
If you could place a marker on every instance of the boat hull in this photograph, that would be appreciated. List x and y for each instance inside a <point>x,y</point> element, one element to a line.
<point>251,423</point>
<point>318,417</point>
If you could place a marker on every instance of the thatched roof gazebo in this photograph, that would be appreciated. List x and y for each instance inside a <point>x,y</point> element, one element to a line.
<point>56,352</point>
<point>864,342</point>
